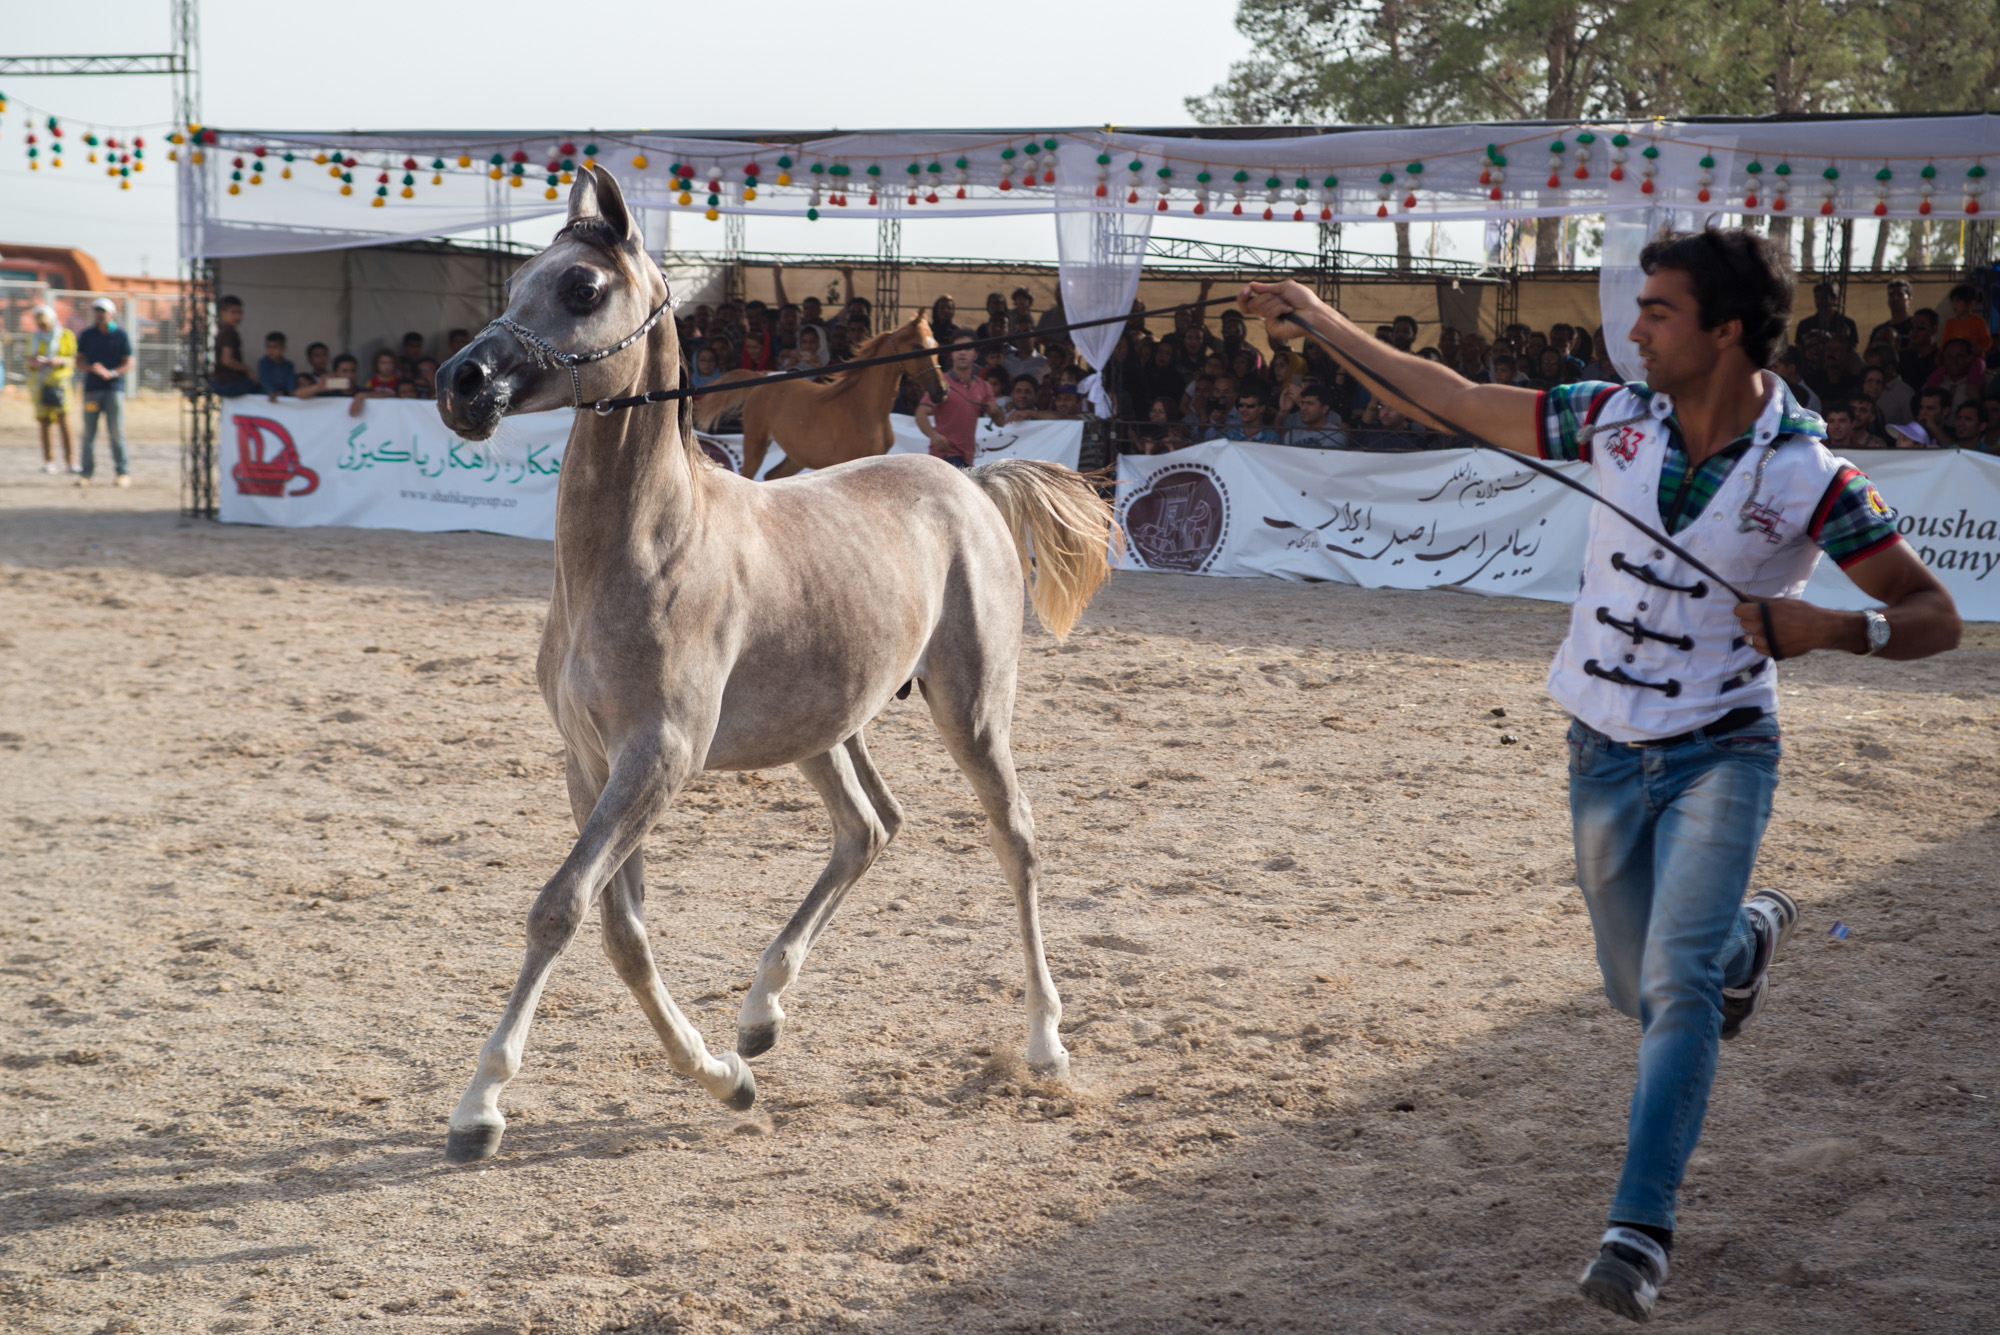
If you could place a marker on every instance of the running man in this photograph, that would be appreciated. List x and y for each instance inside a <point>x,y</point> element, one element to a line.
<point>1673,745</point>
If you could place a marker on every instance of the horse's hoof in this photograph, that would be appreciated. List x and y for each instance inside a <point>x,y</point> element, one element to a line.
<point>481,1142</point>
<point>744,1092</point>
<point>1053,1068</point>
<point>758,1039</point>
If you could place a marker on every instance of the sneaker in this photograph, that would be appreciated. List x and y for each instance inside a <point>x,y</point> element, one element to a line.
<point>124,479</point>
<point>83,482</point>
<point>52,467</point>
<point>1627,1274</point>
<point>1773,913</point>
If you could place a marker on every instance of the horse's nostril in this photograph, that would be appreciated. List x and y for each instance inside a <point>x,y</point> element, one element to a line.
<point>469,379</point>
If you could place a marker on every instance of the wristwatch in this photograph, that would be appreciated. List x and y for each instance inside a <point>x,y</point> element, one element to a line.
<point>1878,631</point>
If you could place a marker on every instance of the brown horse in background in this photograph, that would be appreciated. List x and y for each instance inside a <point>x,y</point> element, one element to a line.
<point>823,422</point>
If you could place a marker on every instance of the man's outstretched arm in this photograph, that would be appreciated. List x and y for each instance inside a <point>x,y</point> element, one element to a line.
<point>1502,414</point>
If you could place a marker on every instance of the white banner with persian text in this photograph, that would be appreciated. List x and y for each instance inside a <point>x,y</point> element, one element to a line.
<point>308,463</point>
<point>1474,519</point>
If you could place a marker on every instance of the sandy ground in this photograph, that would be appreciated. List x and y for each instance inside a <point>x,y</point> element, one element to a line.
<point>273,804</point>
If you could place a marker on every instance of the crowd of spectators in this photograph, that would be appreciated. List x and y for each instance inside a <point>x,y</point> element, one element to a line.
<point>410,372</point>
<point>1918,381</point>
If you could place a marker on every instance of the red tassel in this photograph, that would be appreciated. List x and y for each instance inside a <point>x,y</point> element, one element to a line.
<point>1555,181</point>
<point>1826,208</point>
<point>1972,206</point>
<point>1486,176</point>
<point>1006,184</point>
<point>1778,204</point>
<point>1163,206</point>
<point>1101,192</point>
<point>1382,211</point>
<point>1298,215</point>
<point>1881,209</point>
<point>913,197</point>
<point>1924,208</point>
<point>1325,213</point>
<point>1132,198</point>
<point>1703,195</point>
<point>1267,215</point>
<point>1238,210</point>
<point>1410,200</point>
<point>961,192</point>
<point>1750,200</point>
<point>931,198</point>
<point>1049,176</point>
<point>1495,194</point>
<point>1583,173</point>
<point>1199,207</point>
<point>1617,173</point>
<point>871,199</point>
<point>1646,186</point>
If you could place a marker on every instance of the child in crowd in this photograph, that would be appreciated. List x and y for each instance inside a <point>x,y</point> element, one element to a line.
<point>275,373</point>
<point>1965,323</point>
<point>382,384</point>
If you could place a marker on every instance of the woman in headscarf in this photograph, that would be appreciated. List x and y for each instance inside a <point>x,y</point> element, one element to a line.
<point>810,353</point>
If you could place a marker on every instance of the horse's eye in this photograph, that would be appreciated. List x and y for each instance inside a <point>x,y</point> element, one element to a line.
<point>586,292</point>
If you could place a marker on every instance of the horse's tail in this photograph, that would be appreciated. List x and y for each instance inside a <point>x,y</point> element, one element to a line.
<point>721,398</point>
<point>1063,530</point>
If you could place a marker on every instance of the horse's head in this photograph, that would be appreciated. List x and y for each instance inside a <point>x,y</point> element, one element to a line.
<point>924,370</point>
<point>592,289</point>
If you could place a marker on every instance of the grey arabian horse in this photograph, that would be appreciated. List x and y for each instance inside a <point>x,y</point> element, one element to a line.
<point>702,621</point>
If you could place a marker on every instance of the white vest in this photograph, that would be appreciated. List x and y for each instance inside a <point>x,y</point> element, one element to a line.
<point>1693,657</point>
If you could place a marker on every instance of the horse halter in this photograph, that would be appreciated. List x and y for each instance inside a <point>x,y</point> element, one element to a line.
<point>547,356</point>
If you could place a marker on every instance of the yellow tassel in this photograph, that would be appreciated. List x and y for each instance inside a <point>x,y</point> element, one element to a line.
<point>784,178</point>
<point>110,171</point>
<point>590,162</point>
<point>34,166</point>
<point>284,173</point>
<point>235,189</point>
<point>639,162</point>
<point>378,202</point>
<point>334,172</point>
<point>255,179</point>
<point>346,189</point>
<point>464,160</point>
<point>408,193</point>
<point>514,181</point>
<point>496,173</point>
<point>93,155</point>
<point>686,198</point>
<point>549,193</point>
<point>437,179</point>
<point>320,158</point>
<point>198,157</point>
<point>749,193</point>
<point>138,166</point>
<point>124,185</point>
<point>711,215</point>
<point>566,179</point>
<point>173,155</point>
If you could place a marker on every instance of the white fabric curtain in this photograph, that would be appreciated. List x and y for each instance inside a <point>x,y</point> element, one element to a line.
<point>1100,251</point>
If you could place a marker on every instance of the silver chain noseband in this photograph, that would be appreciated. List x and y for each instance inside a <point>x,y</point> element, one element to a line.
<point>547,356</point>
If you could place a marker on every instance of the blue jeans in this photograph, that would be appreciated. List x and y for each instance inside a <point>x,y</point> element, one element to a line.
<point>1666,837</point>
<point>107,406</point>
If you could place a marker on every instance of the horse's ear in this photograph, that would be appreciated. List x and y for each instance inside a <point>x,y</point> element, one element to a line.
<point>596,195</point>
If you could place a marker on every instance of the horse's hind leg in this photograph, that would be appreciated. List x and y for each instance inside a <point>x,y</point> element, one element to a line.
<point>865,818</point>
<point>975,731</point>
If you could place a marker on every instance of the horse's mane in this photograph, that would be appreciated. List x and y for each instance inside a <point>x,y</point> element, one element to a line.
<point>878,346</point>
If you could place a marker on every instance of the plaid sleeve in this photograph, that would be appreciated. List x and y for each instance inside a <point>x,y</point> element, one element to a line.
<point>1852,522</point>
<point>1564,412</point>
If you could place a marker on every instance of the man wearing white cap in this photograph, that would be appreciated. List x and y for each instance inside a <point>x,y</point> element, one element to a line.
<point>106,355</point>
<point>51,358</point>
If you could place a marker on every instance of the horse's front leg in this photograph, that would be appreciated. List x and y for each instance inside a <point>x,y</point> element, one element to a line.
<point>627,802</point>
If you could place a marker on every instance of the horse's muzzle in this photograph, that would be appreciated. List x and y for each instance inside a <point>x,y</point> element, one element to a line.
<point>473,392</point>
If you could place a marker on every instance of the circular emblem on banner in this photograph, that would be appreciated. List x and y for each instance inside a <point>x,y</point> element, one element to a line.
<point>717,453</point>
<point>1178,518</point>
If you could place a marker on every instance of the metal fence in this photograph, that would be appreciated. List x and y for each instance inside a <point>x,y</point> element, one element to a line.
<point>152,320</point>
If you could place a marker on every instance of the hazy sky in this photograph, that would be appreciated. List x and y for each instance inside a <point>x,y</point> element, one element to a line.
<point>767,64</point>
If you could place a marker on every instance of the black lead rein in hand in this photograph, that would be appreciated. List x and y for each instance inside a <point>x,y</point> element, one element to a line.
<point>605,407</point>
<point>1390,388</point>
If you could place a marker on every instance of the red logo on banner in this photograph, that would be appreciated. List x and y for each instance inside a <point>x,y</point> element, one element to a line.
<point>260,473</point>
